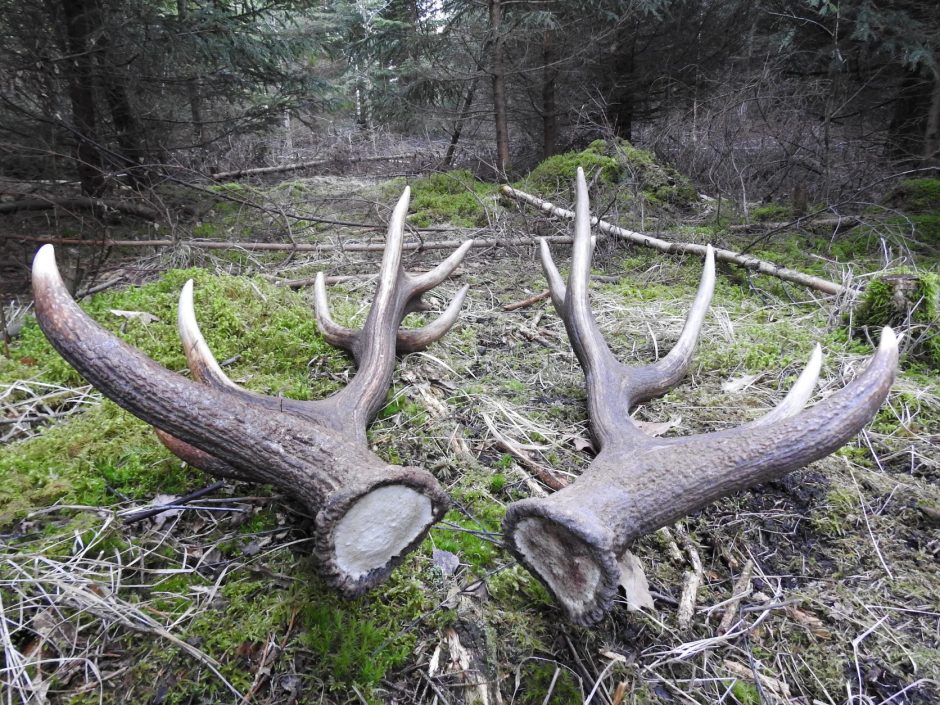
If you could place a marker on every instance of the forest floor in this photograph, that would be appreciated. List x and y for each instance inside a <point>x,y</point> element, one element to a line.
<point>820,587</point>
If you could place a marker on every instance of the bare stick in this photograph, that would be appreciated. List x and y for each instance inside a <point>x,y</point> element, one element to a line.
<point>185,499</point>
<point>279,246</point>
<point>746,261</point>
<point>534,299</point>
<point>241,173</point>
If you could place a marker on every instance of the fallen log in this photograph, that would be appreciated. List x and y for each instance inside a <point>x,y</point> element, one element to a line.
<point>260,171</point>
<point>838,224</point>
<point>748,262</point>
<point>280,246</point>
<point>80,203</point>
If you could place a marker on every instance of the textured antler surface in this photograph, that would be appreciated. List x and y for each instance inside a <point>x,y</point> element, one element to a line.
<point>572,540</point>
<point>369,514</point>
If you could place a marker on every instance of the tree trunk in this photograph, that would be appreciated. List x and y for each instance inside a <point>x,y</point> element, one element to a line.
<point>499,89</point>
<point>192,84</point>
<point>620,106</point>
<point>908,128</point>
<point>461,121</point>
<point>549,110</point>
<point>80,21</point>
<point>932,132</point>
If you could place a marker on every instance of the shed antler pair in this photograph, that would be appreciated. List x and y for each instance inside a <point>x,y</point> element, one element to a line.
<point>572,540</point>
<point>368,514</point>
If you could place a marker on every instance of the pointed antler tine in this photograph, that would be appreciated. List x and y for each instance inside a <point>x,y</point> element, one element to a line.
<point>332,332</point>
<point>653,380</point>
<point>420,283</point>
<point>798,395</point>
<point>556,284</point>
<point>413,340</point>
<point>202,363</point>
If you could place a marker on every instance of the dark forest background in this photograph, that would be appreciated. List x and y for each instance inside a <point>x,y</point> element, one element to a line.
<point>751,98</point>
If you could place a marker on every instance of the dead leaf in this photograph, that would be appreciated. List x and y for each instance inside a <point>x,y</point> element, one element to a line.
<point>738,384</point>
<point>581,443</point>
<point>810,621</point>
<point>160,500</point>
<point>142,316</point>
<point>633,581</point>
<point>445,560</point>
<point>651,428</point>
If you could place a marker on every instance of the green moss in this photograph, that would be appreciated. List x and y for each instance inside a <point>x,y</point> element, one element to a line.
<point>270,330</point>
<point>745,693</point>
<point>454,197</point>
<point>769,212</point>
<point>539,676</point>
<point>905,299</point>
<point>558,172</point>
<point>915,196</point>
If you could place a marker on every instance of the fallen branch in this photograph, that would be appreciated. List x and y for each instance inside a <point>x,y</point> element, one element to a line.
<point>80,203</point>
<point>746,261</point>
<point>277,246</point>
<point>259,171</point>
<point>534,299</point>
<point>837,224</point>
<point>175,504</point>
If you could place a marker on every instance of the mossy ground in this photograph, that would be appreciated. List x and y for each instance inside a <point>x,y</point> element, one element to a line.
<point>843,597</point>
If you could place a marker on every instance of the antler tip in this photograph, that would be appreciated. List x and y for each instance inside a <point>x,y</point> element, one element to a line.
<point>889,340</point>
<point>44,264</point>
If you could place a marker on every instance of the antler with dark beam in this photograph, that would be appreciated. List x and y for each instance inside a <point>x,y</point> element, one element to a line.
<point>369,514</point>
<point>572,540</point>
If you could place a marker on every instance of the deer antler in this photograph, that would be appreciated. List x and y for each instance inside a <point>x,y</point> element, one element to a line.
<point>572,540</point>
<point>368,514</point>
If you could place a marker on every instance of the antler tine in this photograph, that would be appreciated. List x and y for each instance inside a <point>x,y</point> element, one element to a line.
<point>375,345</point>
<point>205,369</point>
<point>200,459</point>
<point>712,465</point>
<point>420,283</point>
<point>572,540</point>
<point>415,339</point>
<point>653,380</point>
<point>556,285</point>
<point>798,395</point>
<point>335,334</point>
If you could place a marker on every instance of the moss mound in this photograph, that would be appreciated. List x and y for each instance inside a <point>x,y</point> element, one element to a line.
<point>454,197</point>
<point>916,196</point>
<point>909,302</point>
<point>616,164</point>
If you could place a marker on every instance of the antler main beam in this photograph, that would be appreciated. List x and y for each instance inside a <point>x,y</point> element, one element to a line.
<point>573,539</point>
<point>369,514</point>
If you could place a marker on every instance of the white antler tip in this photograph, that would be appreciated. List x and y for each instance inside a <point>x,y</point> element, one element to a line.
<point>44,262</point>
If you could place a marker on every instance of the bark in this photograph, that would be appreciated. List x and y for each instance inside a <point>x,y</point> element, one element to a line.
<point>497,71</point>
<point>746,261</point>
<point>80,23</point>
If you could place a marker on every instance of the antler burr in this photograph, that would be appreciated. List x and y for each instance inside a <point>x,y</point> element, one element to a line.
<point>369,514</point>
<point>572,540</point>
